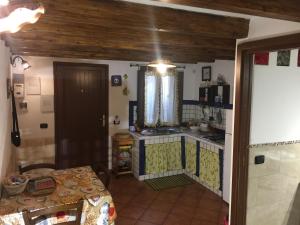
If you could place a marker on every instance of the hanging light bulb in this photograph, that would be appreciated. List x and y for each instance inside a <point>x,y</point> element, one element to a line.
<point>162,65</point>
<point>19,18</point>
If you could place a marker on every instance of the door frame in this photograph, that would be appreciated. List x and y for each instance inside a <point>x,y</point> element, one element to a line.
<point>243,97</point>
<point>56,64</point>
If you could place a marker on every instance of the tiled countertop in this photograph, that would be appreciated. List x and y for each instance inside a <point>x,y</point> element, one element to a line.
<point>190,134</point>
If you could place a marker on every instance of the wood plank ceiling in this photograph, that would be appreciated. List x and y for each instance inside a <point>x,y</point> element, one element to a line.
<point>278,9</point>
<point>101,29</point>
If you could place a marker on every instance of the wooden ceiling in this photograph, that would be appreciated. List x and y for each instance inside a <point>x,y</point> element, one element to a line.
<point>278,9</point>
<point>106,29</point>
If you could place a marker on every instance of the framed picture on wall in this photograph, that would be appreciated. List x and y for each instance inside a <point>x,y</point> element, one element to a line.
<point>116,80</point>
<point>206,73</point>
<point>261,58</point>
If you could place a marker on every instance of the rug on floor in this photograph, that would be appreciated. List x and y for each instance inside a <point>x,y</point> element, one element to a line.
<point>162,183</point>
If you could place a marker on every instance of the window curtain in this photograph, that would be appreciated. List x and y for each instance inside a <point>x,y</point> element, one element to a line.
<point>169,101</point>
<point>152,91</point>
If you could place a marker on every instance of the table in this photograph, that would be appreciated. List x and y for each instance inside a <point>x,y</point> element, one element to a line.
<point>72,185</point>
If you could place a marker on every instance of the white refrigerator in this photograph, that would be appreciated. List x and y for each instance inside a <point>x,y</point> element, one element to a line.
<point>227,157</point>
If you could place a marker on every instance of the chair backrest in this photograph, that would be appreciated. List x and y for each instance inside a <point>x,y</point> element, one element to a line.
<point>32,218</point>
<point>36,166</point>
<point>102,173</point>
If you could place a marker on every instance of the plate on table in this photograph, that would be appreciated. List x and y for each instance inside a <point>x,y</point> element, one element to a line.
<point>88,190</point>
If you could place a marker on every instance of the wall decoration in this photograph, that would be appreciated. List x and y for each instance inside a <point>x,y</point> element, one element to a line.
<point>33,86</point>
<point>206,73</point>
<point>299,57</point>
<point>47,103</point>
<point>283,58</point>
<point>116,80</point>
<point>261,58</point>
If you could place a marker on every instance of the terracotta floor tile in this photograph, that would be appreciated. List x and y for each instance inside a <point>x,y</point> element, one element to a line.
<point>124,221</point>
<point>154,216</point>
<point>183,210</point>
<point>174,219</point>
<point>138,204</point>
<point>201,222</point>
<point>123,199</point>
<point>161,205</point>
<point>143,223</point>
<point>189,200</point>
<point>209,205</point>
<point>131,212</point>
<point>168,197</point>
<point>207,215</point>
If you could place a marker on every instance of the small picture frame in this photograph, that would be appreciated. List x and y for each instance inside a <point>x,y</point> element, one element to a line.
<point>116,80</point>
<point>261,58</point>
<point>206,73</point>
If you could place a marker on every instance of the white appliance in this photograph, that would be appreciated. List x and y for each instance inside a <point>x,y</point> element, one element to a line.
<point>227,157</point>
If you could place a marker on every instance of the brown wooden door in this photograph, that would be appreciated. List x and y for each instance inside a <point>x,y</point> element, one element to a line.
<point>81,114</point>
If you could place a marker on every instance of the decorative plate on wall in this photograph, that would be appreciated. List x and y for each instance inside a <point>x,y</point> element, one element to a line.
<point>283,58</point>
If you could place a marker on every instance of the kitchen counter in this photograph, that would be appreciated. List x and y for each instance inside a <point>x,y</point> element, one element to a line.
<point>197,136</point>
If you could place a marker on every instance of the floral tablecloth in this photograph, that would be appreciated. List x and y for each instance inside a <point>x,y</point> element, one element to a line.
<point>72,185</point>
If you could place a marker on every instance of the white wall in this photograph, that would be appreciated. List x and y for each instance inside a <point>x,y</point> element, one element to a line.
<point>5,113</point>
<point>275,101</point>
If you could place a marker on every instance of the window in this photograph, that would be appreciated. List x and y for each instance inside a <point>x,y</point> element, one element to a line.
<point>162,96</point>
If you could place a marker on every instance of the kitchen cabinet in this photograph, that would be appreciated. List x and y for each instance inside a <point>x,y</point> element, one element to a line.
<point>190,155</point>
<point>210,169</point>
<point>162,157</point>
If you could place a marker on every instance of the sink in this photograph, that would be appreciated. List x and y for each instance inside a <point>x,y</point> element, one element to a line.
<point>160,131</point>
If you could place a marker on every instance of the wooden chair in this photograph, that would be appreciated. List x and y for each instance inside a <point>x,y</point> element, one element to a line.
<point>32,218</point>
<point>36,166</point>
<point>102,173</point>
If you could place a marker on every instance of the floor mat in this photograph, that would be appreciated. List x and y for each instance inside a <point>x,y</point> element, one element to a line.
<point>162,183</point>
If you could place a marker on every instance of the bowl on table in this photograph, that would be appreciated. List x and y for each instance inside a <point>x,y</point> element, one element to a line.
<point>15,184</point>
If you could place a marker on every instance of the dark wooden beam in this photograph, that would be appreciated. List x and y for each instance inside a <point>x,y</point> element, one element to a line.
<point>116,55</point>
<point>118,30</point>
<point>120,15</point>
<point>279,9</point>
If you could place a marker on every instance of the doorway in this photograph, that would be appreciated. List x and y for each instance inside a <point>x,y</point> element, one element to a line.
<point>243,157</point>
<point>81,114</point>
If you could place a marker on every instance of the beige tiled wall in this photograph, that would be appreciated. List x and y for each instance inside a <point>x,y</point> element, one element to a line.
<point>273,193</point>
<point>40,150</point>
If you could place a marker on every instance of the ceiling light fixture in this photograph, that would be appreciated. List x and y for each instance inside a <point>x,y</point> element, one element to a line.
<point>20,17</point>
<point>19,60</point>
<point>162,65</point>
